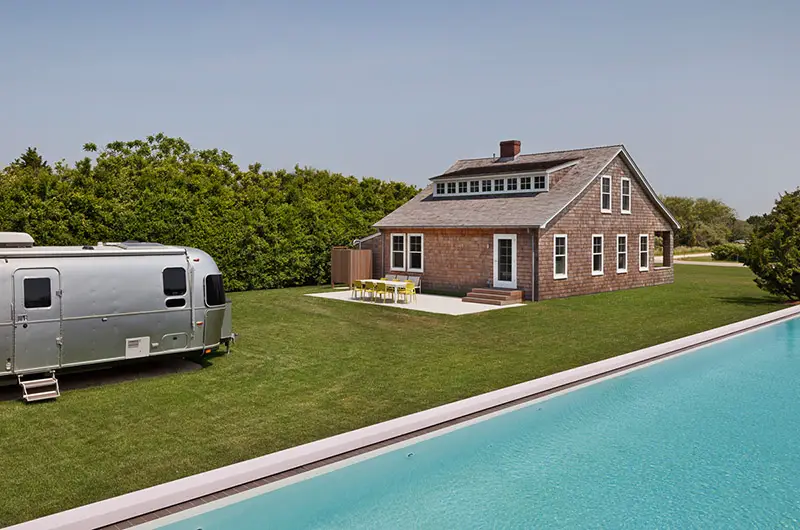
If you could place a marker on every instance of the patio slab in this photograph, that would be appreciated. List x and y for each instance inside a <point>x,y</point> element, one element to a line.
<point>429,303</point>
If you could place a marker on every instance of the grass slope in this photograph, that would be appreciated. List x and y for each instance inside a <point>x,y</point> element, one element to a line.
<point>306,368</point>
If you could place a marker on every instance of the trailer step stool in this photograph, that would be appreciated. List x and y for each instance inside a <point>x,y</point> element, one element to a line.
<point>45,387</point>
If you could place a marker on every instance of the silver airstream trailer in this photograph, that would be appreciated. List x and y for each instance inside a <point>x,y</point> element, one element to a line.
<point>75,307</point>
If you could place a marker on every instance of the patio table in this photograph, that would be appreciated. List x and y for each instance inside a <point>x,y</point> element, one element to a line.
<point>389,283</point>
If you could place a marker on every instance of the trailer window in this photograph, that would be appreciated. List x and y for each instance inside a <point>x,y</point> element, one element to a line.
<point>215,293</point>
<point>174,281</point>
<point>37,293</point>
<point>176,302</point>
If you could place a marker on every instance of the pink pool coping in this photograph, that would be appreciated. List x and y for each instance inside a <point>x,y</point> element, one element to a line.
<point>151,503</point>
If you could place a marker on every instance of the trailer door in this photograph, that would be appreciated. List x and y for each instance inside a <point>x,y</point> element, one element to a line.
<point>37,319</point>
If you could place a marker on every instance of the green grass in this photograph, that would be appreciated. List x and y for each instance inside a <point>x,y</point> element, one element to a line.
<point>697,258</point>
<point>682,251</point>
<point>306,368</point>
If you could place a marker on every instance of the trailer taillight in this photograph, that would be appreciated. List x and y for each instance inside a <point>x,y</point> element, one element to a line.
<point>196,259</point>
<point>207,351</point>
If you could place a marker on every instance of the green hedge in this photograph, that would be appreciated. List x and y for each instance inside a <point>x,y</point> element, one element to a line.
<point>728,252</point>
<point>265,229</point>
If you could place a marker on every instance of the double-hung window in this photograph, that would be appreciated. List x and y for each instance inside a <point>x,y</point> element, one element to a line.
<point>559,256</point>
<point>597,255</point>
<point>625,195</point>
<point>440,188</point>
<point>398,252</point>
<point>451,187</point>
<point>511,184</point>
<point>622,253</point>
<point>462,186</point>
<point>499,184</point>
<point>605,194</point>
<point>539,183</point>
<point>644,252</point>
<point>415,243</point>
<point>486,186</point>
<point>474,186</point>
<point>525,183</point>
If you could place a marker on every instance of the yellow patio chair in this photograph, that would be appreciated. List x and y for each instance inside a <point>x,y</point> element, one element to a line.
<point>409,292</point>
<point>368,289</point>
<point>358,287</point>
<point>383,290</point>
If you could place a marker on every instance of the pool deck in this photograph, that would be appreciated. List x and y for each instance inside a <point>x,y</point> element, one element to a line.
<point>148,508</point>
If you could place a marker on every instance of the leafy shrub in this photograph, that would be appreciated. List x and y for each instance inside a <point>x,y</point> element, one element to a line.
<point>263,228</point>
<point>728,252</point>
<point>773,251</point>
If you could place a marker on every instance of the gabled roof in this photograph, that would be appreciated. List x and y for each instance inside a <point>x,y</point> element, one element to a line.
<point>518,210</point>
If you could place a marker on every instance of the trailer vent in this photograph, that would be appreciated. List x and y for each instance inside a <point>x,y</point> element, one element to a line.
<point>15,240</point>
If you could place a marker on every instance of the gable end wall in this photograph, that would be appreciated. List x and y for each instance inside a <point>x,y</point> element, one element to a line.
<point>583,219</point>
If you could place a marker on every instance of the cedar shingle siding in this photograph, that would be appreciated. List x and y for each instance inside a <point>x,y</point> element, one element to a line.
<point>459,231</point>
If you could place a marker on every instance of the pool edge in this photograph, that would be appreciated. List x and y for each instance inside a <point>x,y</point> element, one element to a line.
<point>127,507</point>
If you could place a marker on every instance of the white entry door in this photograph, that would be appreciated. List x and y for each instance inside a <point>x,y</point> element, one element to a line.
<point>505,261</point>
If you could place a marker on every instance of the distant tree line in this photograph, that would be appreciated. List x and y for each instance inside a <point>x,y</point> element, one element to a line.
<point>706,222</point>
<point>264,228</point>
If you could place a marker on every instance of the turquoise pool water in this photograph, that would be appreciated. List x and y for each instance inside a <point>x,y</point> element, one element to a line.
<point>710,439</point>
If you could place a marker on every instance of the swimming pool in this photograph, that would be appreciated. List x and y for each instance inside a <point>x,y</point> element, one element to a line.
<point>708,439</point>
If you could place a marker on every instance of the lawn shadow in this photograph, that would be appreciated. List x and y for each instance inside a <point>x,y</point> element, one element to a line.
<point>110,375</point>
<point>750,300</point>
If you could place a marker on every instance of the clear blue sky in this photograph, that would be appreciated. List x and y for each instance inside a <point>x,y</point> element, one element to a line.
<point>706,95</point>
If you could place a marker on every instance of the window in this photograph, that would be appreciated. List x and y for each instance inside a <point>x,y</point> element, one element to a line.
<point>511,184</point>
<point>559,256</point>
<point>597,255</point>
<point>625,193</point>
<point>486,186</point>
<point>398,252</point>
<point>415,252</point>
<point>174,279</point>
<point>622,253</point>
<point>440,188</point>
<point>474,186</point>
<point>215,292</point>
<point>540,182</point>
<point>451,187</point>
<point>525,183</point>
<point>605,194</point>
<point>498,184</point>
<point>37,293</point>
<point>462,187</point>
<point>644,252</point>
<point>176,302</point>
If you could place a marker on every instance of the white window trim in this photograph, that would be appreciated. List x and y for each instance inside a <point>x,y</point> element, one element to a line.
<point>621,271</point>
<point>645,250</point>
<point>500,176</point>
<point>392,251</point>
<point>602,255</point>
<point>610,206</point>
<point>557,276</point>
<point>421,252</point>
<point>622,182</point>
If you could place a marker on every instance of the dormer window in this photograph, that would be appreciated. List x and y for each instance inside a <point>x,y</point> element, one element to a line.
<point>490,186</point>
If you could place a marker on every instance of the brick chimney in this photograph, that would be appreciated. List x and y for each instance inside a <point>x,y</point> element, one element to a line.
<point>509,148</point>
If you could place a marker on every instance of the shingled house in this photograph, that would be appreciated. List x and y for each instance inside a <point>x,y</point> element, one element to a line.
<point>542,225</point>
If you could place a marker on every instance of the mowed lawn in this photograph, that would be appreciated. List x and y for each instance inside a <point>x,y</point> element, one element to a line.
<point>306,368</point>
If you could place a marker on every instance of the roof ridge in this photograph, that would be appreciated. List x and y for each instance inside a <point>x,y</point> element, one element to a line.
<point>547,152</point>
